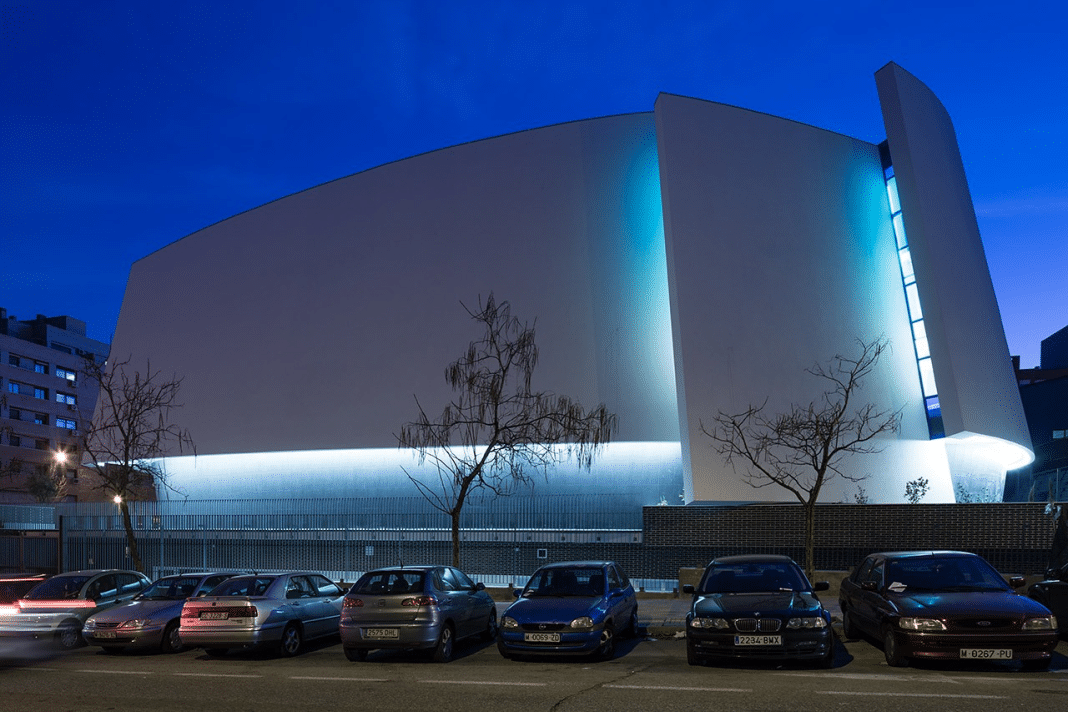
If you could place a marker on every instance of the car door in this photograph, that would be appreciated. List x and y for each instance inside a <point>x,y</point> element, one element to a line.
<point>459,600</point>
<point>621,595</point>
<point>869,607</point>
<point>327,597</point>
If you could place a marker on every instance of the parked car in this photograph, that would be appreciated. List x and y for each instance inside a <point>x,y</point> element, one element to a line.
<point>56,609</point>
<point>152,618</point>
<point>1053,594</point>
<point>757,607</point>
<point>15,586</point>
<point>419,607</point>
<point>948,605</point>
<point>279,611</point>
<point>570,608</point>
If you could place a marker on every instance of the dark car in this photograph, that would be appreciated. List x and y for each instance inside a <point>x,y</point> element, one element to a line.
<point>151,620</point>
<point>15,586</point>
<point>417,607</point>
<point>1053,594</point>
<point>570,608</point>
<point>945,605</point>
<point>757,607</point>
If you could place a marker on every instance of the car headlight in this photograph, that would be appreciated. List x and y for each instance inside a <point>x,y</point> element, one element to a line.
<point>720,623</point>
<point>137,623</point>
<point>921,624</point>
<point>817,622</point>
<point>507,622</point>
<point>583,623</point>
<point>1043,623</point>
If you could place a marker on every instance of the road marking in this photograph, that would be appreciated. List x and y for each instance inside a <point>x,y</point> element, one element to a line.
<point>682,689</point>
<point>209,674</point>
<point>114,672</point>
<point>341,679</point>
<point>911,694</point>
<point>485,682</point>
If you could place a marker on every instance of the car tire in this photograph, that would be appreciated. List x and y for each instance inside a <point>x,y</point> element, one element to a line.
<point>69,635</point>
<point>356,655</point>
<point>606,647</point>
<point>892,651</point>
<point>289,645</point>
<point>216,652</point>
<point>172,641</point>
<point>490,632</point>
<point>692,658</point>
<point>849,628</point>
<point>632,625</point>
<point>503,650</point>
<point>443,650</point>
<point>1039,665</point>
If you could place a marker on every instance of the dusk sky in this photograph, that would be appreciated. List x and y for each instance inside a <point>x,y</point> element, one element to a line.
<point>127,125</point>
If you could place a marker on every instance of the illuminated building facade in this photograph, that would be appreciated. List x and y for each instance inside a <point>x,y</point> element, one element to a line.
<point>689,260</point>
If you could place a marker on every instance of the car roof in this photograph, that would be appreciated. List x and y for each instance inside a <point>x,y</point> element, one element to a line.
<point>418,567</point>
<point>752,559</point>
<point>97,572</point>
<point>923,554</point>
<point>576,564</point>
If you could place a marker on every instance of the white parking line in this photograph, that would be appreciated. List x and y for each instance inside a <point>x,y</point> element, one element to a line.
<point>341,679</point>
<point>681,689</point>
<point>209,674</point>
<point>114,672</point>
<point>485,682</point>
<point>911,694</point>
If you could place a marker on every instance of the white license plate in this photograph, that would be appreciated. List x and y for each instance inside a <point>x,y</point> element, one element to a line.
<point>382,633</point>
<point>758,640</point>
<point>541,637</point>
<point>104,634</point>
<point>214,615</point>
<point>986,653</point>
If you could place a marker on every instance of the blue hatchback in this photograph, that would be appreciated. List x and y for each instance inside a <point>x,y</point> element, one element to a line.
<point>570,608</point>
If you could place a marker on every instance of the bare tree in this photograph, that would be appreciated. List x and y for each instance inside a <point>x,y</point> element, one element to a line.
<point>130,432</point>
<point>802,450</point>
<point>497,431</point>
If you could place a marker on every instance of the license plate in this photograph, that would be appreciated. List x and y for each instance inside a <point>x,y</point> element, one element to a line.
<point>541,637</point>
<point>986,653</point>
<point>382,633</point>
<point>104,634</point>
<point>214,615</point>
<point>758,640</point>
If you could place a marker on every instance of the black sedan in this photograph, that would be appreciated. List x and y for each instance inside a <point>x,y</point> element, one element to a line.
<point>1053,594</point>
<point>946,605</point>
<point>758,607</point>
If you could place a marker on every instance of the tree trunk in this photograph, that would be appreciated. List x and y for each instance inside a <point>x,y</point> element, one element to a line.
<point>455,537</point>
<point>131,541</point>
<point>810,540</point>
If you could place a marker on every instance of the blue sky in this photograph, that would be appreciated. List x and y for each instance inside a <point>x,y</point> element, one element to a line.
<point>127,125</point>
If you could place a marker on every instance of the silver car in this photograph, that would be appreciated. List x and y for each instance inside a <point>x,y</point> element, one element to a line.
<point>56,609</point>
<point>421,607</point>
<point>152,618</point>
<point>276,611</point>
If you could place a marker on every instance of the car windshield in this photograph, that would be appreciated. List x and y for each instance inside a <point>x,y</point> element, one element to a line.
<point>753,577</point>
<point>172,588</point>
<point>386,582</point>
<point>57,588</point>
<point>583,582</point>
<point>244,586</point>
<point>943,574</point>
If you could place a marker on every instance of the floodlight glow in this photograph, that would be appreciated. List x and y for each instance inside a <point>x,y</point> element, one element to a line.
<point>998,452</point>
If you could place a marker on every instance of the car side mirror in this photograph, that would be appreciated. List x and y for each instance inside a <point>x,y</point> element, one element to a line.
<point>688,588</point>
<point>868,586</point>
<point>822,586</point>
<point>517,592</point>
<point>480,586</point>
<point>1017,581</point>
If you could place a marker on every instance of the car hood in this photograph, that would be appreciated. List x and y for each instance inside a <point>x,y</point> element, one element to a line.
<point>139,609</point>
<point>791,603</point>
<point>554,609</point>
<point>970,603</point>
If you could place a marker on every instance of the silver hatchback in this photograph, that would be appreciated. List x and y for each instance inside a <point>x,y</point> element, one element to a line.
<point>278,611</point>
<point>415,607</point>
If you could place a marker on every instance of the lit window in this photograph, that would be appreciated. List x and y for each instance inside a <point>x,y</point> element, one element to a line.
<point>40,393</point>
<point>66,374</point>
<point>919,336</point>
<point>40,418</point>
<point>906,265</point>
<point>927,379</point>
<point>66,423</point>
<point>899,231</point>
<point>891,192</point>
<point>40,367</point>
<point>913,297</point>
<point>67,398</point>
<point>1058,434</point>
<point>12,387</point>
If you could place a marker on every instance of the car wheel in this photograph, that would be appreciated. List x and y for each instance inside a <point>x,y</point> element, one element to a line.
<point>216,652</point>
<point>632,625</point>
<point>606,649</point>
<point>891,650</point>
<point>691,654</point>
<point>490,632</point>
<point>356,655</point>
<point>503,650</point>
<point>291,641</point>
<point>172,640</point>
<point>69,635</point>
<point>1036,665</point>
<point>443,650</point>
<point>849,628</point>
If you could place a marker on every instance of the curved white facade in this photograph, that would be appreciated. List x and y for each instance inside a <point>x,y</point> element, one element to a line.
<point>677,263</point>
